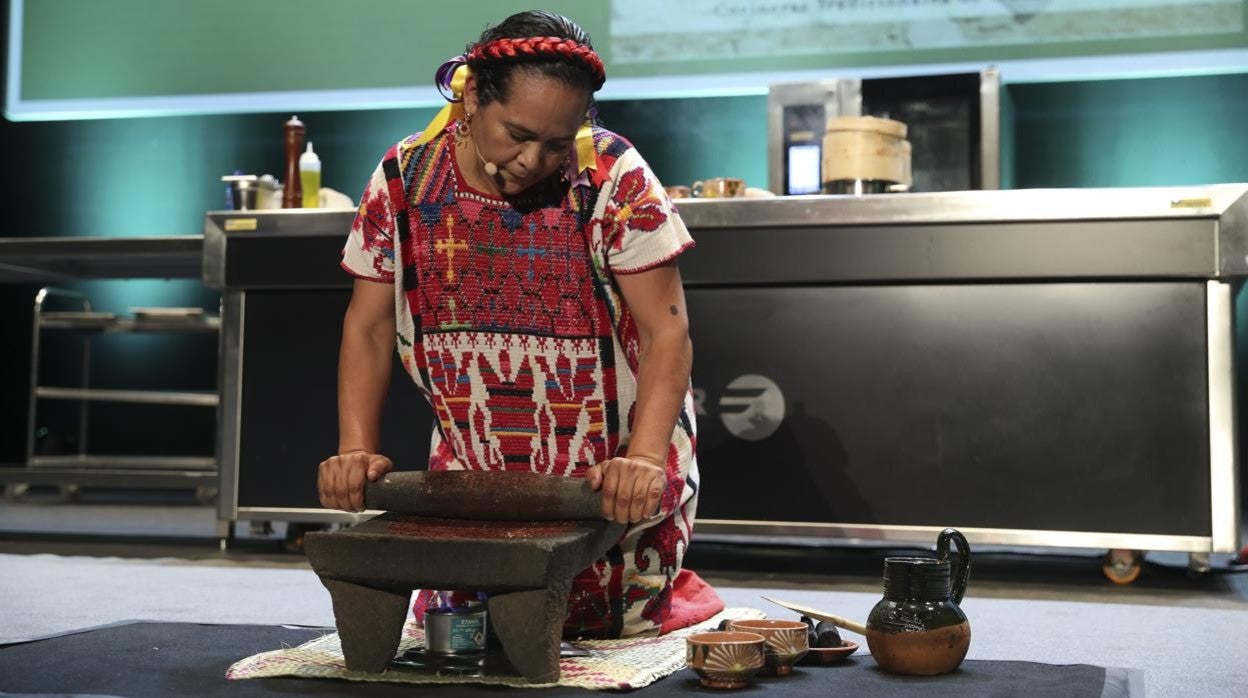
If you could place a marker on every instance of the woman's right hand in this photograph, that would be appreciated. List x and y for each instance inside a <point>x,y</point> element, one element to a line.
<point>340,479</point>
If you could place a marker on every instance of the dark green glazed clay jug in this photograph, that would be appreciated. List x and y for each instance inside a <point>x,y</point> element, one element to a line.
<point>917,628</point>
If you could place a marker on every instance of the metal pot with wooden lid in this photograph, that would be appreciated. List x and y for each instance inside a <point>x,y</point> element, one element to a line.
<point>865,155</point>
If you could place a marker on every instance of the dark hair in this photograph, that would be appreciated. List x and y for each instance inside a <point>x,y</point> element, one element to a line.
<point>494,75</point>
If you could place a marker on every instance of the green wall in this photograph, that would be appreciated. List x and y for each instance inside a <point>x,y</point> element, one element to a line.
<point>156,176</point>
<point>1130,133</point>
<point>98,49</point>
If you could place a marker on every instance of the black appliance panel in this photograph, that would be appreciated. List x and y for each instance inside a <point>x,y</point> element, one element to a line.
<point>1077,407</point>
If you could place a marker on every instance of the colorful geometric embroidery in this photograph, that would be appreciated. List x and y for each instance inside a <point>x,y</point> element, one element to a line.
<point>516,402</point>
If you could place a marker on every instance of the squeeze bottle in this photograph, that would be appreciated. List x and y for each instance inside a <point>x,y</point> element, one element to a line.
<point>310,177</point>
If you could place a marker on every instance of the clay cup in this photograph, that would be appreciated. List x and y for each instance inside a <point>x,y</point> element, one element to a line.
<point>786,642</point>
<point>718,188</point>
<point>724,658</point>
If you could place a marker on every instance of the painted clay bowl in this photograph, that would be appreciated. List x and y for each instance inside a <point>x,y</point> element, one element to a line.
<point>724,659</point>
<point>786,642</point>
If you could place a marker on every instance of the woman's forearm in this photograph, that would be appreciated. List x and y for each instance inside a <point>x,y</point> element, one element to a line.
<point>364,362</point>
<point>662,383</point>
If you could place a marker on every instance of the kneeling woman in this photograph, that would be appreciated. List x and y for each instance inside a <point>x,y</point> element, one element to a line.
<point>525,260</point>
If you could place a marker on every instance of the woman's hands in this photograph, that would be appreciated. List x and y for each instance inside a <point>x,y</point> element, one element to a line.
<point>631,487</point>
<point>340,479</point>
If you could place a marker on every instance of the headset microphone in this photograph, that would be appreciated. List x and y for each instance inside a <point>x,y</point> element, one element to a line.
<point>490,168</point>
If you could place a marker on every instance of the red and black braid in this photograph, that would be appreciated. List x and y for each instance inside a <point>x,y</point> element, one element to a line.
<point>537,46</point>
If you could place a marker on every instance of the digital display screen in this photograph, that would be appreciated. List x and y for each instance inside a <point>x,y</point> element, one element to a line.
<point>804,169</point>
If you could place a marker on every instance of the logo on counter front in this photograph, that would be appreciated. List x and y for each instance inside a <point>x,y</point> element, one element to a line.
<point>752,407</point>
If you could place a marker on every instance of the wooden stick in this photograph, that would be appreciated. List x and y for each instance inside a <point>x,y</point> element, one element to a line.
<point>838,621</point>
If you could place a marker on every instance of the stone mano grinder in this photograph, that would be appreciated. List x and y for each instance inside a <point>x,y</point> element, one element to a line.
<point>519,537</point>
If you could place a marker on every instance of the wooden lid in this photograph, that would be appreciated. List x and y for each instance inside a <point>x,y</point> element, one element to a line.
<point>868,123</point>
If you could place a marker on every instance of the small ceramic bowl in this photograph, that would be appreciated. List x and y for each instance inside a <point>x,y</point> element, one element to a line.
<point>724,659</point>
<point>786,642</point>
<point>823,656</point>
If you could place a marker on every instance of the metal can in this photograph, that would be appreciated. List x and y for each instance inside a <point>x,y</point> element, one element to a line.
<point>455,630</point>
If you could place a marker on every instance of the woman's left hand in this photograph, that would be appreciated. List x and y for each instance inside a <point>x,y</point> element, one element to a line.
<point>631,488</point>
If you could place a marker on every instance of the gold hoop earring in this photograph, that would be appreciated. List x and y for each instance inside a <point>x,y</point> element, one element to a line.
<point>463,130</point>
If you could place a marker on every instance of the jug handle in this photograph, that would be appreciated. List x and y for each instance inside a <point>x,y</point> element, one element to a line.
<point>963,569</point>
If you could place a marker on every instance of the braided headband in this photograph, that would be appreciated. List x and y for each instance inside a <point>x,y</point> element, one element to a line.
<point>453,75</point>
<point>537,46</point>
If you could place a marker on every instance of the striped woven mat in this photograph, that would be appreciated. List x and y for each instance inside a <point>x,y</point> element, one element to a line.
<point>611,664</point>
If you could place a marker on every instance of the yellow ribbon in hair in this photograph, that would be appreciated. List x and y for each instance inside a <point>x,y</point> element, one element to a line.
<point>453,109</point>
<point>585,156</point>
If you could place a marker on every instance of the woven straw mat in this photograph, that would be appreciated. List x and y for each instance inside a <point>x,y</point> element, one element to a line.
<point>612,664</point>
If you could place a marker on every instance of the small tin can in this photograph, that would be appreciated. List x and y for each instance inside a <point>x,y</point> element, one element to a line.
<point>455,630</point>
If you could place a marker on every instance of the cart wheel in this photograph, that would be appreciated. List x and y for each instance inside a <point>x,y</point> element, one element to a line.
<point>1122,566</point>
<point>16,491</point>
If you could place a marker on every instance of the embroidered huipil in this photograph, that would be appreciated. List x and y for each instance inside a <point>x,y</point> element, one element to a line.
<point>509,322</point>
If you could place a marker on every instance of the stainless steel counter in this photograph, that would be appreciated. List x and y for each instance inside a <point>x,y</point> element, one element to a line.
<point>1182,232</point>
<point>51,259</point>
<point>1001,206</point>
<point>1193,232</point>
<point>1174,231</point>
<point>55,260</point>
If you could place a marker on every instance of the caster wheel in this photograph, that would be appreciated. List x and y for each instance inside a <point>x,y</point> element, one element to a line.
<point>15,492</point>
<point>1122,566</point>
<point>205,495</point>
<point>67,493</point>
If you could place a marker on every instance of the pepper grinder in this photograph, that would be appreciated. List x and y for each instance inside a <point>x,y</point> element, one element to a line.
<point>292,194</point>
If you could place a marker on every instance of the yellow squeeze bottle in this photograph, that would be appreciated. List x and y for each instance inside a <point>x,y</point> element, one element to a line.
<point>310,177</point>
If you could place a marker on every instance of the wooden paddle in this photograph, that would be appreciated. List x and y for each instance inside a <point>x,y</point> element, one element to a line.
<point>838,621</point>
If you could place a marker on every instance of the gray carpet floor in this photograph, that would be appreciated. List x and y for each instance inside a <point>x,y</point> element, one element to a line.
<point>1188,637</point>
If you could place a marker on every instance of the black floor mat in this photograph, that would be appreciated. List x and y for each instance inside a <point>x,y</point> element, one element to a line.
<point>187,659</point>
